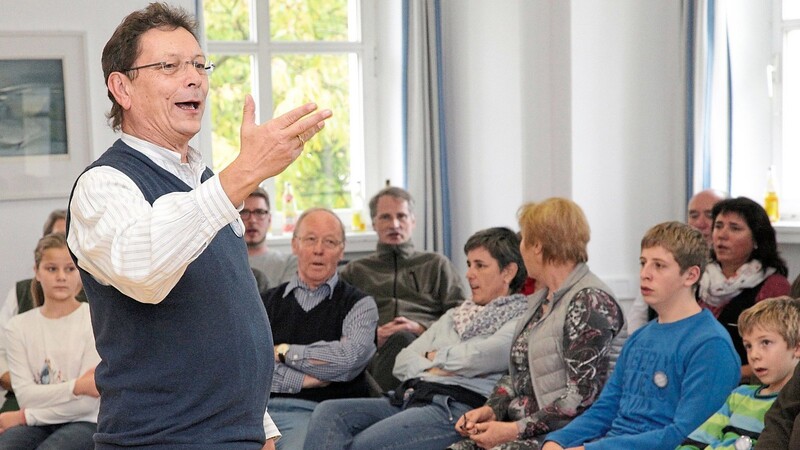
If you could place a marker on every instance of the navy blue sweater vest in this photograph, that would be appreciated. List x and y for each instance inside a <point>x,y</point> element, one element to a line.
<point>323,323</point>
<point>193,371</point>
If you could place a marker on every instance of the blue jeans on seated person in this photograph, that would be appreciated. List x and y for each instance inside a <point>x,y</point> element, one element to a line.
<point>374,423</point>
<point>64,436</point>
<point>291,416</point>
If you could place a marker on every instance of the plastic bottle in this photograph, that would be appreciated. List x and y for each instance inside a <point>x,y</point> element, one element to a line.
<point>357,222</point>
<point>289,208</point>
<point>771,198</point>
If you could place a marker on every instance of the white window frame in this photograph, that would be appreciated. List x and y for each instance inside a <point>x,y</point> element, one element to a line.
<point>380,109</point>
<point>788,186</point>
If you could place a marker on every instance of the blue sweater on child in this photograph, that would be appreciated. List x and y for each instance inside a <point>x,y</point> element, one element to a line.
<point>668,380</point>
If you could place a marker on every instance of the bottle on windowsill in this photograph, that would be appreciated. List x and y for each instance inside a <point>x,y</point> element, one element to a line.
<point>289,209</point>
<point>357,220</point>
<point>771,198</point>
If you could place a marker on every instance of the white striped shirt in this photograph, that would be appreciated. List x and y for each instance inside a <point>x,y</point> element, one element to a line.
<point>340,360</point>
<point>143,250</point>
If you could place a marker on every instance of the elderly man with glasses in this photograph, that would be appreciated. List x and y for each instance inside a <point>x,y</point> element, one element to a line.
<point>323,328</point>
<point>278,267</point>
<point>182,336</point>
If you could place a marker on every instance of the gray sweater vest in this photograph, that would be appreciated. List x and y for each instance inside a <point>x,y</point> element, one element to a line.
<point>545,343</point>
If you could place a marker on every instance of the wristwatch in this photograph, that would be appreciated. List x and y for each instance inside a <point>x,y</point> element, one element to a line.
<point>281,350</point>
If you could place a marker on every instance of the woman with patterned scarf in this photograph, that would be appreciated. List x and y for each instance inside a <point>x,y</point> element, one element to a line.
<point>745,268</point>
<point>448,370</point>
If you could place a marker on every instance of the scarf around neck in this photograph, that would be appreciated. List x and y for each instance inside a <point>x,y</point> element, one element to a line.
<point>716,290</point>
<point>471,319</point>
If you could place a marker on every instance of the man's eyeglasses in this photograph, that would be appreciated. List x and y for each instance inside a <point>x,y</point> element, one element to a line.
<point>257,213</point>
<point>173,67</point>
<point>312,241</point>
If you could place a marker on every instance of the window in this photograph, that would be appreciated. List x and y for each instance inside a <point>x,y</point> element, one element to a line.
<point>761,86</point>
<point>286,53</point>
<point>788,80</point>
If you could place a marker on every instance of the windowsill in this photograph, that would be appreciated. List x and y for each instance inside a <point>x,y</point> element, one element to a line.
<point>787,231</point>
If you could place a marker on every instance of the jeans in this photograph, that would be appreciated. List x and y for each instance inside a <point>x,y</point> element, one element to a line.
<point>374,423</point>
<point>65,436</point>
<point>291,416</point>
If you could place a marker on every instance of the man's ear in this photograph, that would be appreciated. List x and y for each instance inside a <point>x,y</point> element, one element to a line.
<point>692,275</point>
<point>797,351</point>
<point>120,87</point>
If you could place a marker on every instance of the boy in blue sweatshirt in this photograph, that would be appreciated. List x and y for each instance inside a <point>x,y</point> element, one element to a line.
<point>674,372</point>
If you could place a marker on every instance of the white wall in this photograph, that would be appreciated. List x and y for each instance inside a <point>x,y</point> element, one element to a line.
<point>574,99</point>
<point>21,221</point>
<point>627,136</point>
<point>484,125</point>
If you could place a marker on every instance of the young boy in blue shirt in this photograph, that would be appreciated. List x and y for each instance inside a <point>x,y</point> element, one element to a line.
<point>674,372</point>
<point>770,331</point>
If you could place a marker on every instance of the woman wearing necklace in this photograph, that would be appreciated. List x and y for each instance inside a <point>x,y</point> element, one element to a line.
<point>745,268</point>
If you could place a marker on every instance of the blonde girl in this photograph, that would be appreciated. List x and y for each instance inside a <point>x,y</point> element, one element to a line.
<point>51,356</point>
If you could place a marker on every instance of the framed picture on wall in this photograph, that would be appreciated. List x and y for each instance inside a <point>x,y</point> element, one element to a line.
<point>44,120</point>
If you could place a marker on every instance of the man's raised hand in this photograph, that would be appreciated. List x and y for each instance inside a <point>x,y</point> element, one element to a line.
<point>267,149</point>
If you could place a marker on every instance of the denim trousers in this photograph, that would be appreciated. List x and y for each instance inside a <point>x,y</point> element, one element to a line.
<point>374,423</point>
<point>65,436</point>
<point>291,416</point>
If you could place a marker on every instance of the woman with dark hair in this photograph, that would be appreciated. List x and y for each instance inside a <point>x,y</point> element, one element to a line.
<point>448,370</point>
<point>745,268</point>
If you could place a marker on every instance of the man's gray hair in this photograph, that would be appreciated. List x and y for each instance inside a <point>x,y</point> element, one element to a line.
<point>391,191</point>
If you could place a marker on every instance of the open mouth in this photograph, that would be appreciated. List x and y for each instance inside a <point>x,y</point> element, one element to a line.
<point>188,105</point>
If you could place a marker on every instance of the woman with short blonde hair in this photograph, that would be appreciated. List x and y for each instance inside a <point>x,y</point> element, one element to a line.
<point>563,347</point>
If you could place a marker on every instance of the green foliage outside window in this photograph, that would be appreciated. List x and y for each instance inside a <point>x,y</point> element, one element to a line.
<point>321,176</point>
<point>322,172</point>
<point>227,20</point>
<point>308,20</point>
<point>230,83</point>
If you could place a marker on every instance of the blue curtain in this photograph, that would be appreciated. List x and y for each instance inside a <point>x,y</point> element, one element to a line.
<point>709,99</point>
<point>423,122</point>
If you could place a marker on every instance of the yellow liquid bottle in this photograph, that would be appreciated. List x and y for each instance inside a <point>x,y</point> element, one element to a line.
<point>771,204</point>
<point>358,222</point>
<point>357,219</point>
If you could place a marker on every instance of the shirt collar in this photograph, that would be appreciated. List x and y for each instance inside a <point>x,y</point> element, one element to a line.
<point>404,250</point>
<point>161,154</point>
<point>296,283</point>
